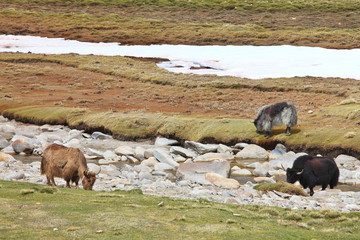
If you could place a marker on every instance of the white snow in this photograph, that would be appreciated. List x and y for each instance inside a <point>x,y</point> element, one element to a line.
<point>253,62</point>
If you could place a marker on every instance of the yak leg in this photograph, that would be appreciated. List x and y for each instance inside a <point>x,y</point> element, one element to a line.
<point>323,187</point>
<point>311,190</point>
<point>50,180</point>
<point>287,131</point>
<point>267,134</point>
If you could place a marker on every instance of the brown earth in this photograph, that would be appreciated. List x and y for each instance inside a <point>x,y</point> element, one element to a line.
<point>53,84</point>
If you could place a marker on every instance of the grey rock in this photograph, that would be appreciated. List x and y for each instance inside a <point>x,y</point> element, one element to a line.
<point>214,157</point>
<point>163,156</point>
<point>201,148</point>
<point>100,135</point>
<point>195,172</point>
<point>252,151</point>
<point>188,153</point>
<point>125,150</point>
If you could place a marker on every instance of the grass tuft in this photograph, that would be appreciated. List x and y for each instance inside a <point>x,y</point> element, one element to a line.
<point>281,187</point>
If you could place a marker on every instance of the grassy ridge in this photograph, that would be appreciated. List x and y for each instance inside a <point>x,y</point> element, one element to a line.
<point>256,5</point>
<point>138,125</point>
<point>131,215</point>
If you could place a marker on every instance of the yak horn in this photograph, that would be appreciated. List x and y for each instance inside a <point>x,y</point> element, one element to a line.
<point>283,167</point>
<point>86,173</point>
<point>298,173</point>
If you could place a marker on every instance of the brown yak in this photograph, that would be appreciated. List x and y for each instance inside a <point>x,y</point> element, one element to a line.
<point>68,163</point>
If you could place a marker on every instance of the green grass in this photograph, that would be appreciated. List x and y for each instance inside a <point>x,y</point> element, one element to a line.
<point>79,214</point>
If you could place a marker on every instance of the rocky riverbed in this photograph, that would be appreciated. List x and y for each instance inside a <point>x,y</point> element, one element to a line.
<point>165,167</point>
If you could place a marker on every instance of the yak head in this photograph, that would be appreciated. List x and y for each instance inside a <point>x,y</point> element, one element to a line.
<point>88,180</point>
<point>293,175</point>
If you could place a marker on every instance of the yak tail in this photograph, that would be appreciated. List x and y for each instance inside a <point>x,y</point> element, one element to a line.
<point>42,168</point>
<point>293,118</point>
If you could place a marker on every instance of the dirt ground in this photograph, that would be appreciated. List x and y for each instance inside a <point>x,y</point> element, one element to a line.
<point>72,87</point>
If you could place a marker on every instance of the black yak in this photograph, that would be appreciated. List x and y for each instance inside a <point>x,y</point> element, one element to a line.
<point>282,113</point>
<point>67,163</point>
<point>311,171</point>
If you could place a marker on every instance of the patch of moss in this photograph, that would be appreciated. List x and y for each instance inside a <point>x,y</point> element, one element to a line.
<point>283,187</point>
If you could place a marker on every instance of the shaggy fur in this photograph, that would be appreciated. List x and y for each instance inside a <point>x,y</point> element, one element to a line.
<point>282,113</point>
<point>311,171</point>
<point>67,163</point>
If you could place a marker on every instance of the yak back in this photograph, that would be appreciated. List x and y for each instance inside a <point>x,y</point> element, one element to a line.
<point>61,160</point>
<point>273,110</point>
<point>317,165</point>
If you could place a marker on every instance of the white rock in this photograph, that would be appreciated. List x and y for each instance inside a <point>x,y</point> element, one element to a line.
<point>163,156</point>
<point>125,150</point>
<point>163,167</point>
<point>160,142</point>
<point>263,169</point>
<point>207,157</point>
<point>220,181</point>
<point>252,151</point>
<point>241,172</point>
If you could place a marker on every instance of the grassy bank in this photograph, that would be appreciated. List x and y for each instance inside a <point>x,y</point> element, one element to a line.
<point>58,213</point>
<point>326,140</point>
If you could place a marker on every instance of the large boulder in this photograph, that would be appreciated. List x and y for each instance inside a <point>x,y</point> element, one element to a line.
<point>23,146</point>
<point>252,151</point>
<point>347,162</point>
<point>195,172</point>
<point>220,181</point>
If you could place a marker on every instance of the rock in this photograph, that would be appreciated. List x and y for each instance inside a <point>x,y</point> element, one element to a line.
<point>252,151</point>
<point>149,153</point>
<point>140,153</point>
<point>163,167</point>
<point>125,150</point>
<point>4,157</point>
<point>75,143</point>
<point>150,162</point>
<point>73,134</point>
<point>240,145</point>
<point>224,149</point>
<point>94,168</point>
<point>15,176</point>
<point>22,145</point>
<point>163,156</point>
<point>111,156</point>
<point>183,152</point>
<point>100,135</point>
<point>263,169</point>
<point>3,142</point>
<point>286,160</point>
<point>214,157</point>
<point>346,161</point>
<point>201,148</point>
<point>160,142</point>
<point>241,172</point>
<point>195,172</point>
<point>264,180</point>
<point>276,153</point>
<point>220,181</point>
